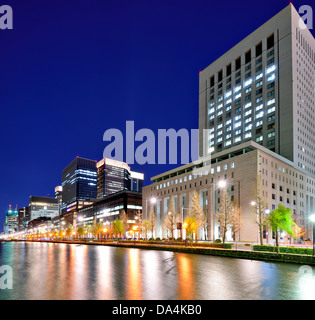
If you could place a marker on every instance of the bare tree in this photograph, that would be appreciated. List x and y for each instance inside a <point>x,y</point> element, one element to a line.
<point>152,220</point>
<point>260,205</point>
<point>235,222</point>
<point>170,218</point>
<point>139,221</point>
<point>124,218</point>
<point>197,213</point>
<point>225,213</point>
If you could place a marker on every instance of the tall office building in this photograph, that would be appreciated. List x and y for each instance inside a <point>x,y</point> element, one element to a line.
<point>114,176</point>
<point>263,90</point>
<point>256,103</point>
<point>11,223</point>
<point>24,218</point>
<point>58,195</point>
<point>79,183</point>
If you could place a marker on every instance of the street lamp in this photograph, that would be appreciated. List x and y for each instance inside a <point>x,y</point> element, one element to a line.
<point>312,218</point>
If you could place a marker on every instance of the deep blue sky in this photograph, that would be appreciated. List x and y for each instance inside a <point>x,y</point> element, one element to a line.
<point>71,69</point>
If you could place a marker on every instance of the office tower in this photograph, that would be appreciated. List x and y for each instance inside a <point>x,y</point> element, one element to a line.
<point>11,221</point>
<point>256,103</point>
<point>114,176</point>
<point>262,89</point>
<point>43,207</point>
<point>79,183</point>
<point>136,181</point>
<point>58,195</point>
<point>24,218</point>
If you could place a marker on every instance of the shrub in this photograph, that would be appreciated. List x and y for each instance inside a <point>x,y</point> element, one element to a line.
<point>158,239</point>
<point>291,250</point>
<point>217,241</point>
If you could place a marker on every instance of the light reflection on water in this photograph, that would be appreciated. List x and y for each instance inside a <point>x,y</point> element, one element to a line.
<point>72,272</point>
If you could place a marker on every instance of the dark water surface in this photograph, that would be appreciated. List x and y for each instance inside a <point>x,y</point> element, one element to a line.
<point>69,271</point>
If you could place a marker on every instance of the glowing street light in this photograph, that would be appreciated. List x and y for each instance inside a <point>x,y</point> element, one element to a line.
<point>222,184</point>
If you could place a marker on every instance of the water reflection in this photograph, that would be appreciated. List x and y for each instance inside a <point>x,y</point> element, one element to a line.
<point>61,271</point>
<point>133,276</point>
<point>186,281</point>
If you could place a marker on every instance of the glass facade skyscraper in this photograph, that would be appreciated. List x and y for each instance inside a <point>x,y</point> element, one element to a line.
<point>114,176</point>
<point>79,182</point>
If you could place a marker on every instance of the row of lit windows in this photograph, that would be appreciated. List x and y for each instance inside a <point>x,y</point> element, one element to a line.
<point>190,177</point>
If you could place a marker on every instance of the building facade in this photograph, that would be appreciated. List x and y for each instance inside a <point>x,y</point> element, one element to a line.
<point>11,223</point>
<point>240,166</point>
<point>43,207</point>
<point>58,195</point>
<point>114,176</point>
<point>24,218</point>
<point>109,208</point>
<point>263,90</point>
<point>256,122</point>
<point>79,185</point>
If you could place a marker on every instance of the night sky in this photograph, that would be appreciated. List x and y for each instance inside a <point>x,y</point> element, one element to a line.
<point>71,69</point>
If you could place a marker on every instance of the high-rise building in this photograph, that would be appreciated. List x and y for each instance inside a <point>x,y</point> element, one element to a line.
<point>24,218</point>
<point>262,89</point>
<point>11,220</point>
<point>256,107</point>
<point>114,176</point>
<point>79,183</point>
<point>43,207</point>
<point>58,195</point>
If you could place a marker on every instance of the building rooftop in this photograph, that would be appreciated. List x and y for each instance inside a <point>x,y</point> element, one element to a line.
<point>223,155</point>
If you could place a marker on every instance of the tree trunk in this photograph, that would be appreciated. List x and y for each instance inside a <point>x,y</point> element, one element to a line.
<point>277,242</point>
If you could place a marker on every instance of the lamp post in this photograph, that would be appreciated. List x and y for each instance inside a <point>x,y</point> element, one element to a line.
<point>312,218</point>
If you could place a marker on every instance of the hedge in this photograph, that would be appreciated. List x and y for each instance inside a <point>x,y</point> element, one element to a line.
<point>291,250</point>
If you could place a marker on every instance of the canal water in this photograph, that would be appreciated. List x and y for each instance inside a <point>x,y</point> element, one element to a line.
<point>72,272</point>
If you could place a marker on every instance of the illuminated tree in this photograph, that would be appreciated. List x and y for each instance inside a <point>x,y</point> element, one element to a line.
<point>118,227</point>
<point>281,219</point>
<point>69,230</point>
<point>146,226</point>
<point>124,218</point>
<point>96,229</point>
<point>197,213</point>
<point>170,218</point>
<point>225,213</point>
<point>259,207</point>
<point>191,228</point>
<point>80,232</point>
<point>152,220</point>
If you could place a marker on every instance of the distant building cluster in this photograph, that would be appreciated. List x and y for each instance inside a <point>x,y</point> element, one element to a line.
<point>88,190</point>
